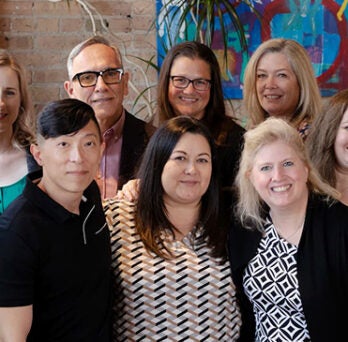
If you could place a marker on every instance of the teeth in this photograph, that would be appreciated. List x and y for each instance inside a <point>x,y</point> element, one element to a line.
<point>272,97</point>
<point>281,188</point>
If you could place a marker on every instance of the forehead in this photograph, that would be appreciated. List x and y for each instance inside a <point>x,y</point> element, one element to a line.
<point>192,142</point>
<point>273,151</point>
<point>345,116</point>
<point>274,60</point>
<point>96,57</point>
<point>8,77</point>
<point>183,65</point>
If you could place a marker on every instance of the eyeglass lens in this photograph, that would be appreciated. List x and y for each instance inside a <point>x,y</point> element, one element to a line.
<point>183,82</point>
<point>110,76</point>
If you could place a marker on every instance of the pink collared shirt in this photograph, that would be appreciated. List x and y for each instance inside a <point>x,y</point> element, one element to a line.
<point>108,173</point>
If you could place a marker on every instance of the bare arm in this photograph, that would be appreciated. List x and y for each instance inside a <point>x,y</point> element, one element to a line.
<point>15,323</point>
<point>130,191</point>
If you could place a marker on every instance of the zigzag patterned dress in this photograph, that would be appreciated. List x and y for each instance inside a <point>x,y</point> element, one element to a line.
<point>188,298</point>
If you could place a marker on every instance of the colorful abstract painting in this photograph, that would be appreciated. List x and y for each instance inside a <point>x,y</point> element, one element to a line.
<point>319,25</point>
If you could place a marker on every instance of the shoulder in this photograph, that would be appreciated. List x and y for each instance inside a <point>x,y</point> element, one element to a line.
<point>130,119</point>
<point>16,212</point>
<point>327,214</point>
<point>136,125</point>
<point>234,128</point>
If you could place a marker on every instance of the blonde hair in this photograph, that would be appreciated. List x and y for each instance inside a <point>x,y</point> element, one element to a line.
<point>251,209</point>
<point>23,126</point>
<point>310,99</point>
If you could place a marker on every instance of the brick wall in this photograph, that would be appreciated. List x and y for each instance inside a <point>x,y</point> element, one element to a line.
<point>41,34</point>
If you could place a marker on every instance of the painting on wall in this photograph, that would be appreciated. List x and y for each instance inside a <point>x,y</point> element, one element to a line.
<point>319,25</point>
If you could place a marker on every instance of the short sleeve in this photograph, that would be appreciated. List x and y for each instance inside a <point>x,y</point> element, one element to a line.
<point>17,270</point>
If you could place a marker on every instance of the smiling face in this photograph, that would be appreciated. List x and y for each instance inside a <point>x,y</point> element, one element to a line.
<point>280,176</point>
<point>277,87</point>
<point>69,162</point>
<point>189,101</point>
<point>186,175</point>
<point>341,144</point>
<point>10,99</point>
<point>105,99</point>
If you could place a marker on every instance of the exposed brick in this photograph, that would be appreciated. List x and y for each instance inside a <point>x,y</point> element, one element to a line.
<point>16,7</point>
<point>72,24</point>
<point>47,25</point>
<point>56,9</point>
<point>50,76</point>
<point>114,7</point>
<point>5,24</point>
<point>20,42</point>
<point>44,93</point>
<point>26,24</point>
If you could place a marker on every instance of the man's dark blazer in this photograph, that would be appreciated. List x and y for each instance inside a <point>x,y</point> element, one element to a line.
<point>136,134</point>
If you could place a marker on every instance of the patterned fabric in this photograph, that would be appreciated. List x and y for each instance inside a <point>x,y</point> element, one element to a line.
<point>188,298</point>
<point>271,284</point>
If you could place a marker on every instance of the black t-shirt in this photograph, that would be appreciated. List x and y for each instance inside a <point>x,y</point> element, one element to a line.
<point>58,262</point>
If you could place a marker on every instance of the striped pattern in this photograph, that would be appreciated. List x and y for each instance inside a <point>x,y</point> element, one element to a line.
<point>189,298</point>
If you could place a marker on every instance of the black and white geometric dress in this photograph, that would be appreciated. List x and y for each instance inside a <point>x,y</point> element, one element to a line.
<point>188,298</point>
<point>271,284</point>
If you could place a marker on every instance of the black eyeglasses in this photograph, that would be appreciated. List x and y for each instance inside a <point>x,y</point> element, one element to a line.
<point>182,82</point>
<point>90,78</point>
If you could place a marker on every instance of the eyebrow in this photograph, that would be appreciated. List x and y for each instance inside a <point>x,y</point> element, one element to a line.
<point>277,70</point>
<point>200,154</point>
<point>11,88</point>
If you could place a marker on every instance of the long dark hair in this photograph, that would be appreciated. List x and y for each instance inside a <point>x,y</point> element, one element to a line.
<point>215,117</point>
<point>151,217</point>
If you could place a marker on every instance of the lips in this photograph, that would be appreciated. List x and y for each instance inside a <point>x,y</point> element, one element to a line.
<point>101,100</point>
<point>188,99</point>
<point>272,97</point>
<point>282,188</point>
<point>2,115</point>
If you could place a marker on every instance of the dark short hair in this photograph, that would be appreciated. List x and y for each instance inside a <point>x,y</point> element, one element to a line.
<point>151,212</point>
<point>64,117</point>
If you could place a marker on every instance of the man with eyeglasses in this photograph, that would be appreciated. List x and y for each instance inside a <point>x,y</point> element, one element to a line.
<point>97,77</point>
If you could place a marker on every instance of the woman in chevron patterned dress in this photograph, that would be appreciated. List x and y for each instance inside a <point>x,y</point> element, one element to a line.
<point>172,279</point>
<point>289,247</point>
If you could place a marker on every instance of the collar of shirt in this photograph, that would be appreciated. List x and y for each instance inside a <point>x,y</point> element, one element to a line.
<point>115,131</point>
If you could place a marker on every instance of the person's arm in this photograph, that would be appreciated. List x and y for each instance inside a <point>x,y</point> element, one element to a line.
<point>15,323</point>
<point>130,191</point>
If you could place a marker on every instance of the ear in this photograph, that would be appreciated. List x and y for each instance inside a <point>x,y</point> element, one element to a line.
<point>102,148</point>
<point>69,88</point>
<point>125,83</point>
<point>36,152</point>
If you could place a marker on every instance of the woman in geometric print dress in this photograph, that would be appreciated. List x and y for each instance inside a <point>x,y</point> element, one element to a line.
<point>288,246</point>
<point>172,278</point>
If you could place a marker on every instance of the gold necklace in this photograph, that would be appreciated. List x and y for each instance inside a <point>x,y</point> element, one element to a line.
<point>292,234</point>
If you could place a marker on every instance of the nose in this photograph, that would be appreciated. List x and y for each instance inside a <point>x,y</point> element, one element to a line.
<point>76,154</point>
<point>190,168</point>
<point>2,103</point>
<point>189,88</point>
<point>100,85</point>
<point>270,82</point>
<point>278,173</point>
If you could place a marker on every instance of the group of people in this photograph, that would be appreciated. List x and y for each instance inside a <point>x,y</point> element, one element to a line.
<point>221,234</point>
